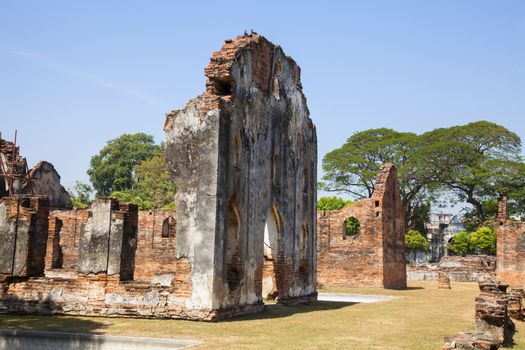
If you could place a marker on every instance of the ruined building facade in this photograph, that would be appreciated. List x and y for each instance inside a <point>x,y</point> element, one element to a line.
<point>243,156</point>
<point>373,255</point>
<point>510,248</point>
<point>17,178</point>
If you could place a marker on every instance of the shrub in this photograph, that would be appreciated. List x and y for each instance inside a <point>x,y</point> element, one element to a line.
<point>484,238</point>
<point>352,226</point>
<point>332,203</point>
<point>415,241</point>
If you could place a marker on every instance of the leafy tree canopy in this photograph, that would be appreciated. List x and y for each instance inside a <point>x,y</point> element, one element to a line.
<point>81,195</point>
<point>461,244</point>
<point>332,203</point>
<point>352,169</point>
<point>352,226</point>
<point>113,168</point>
<point>477,162</point>
<point>415,241</point>
<point>153,188</point>
<point>484,238</point>
<point>154,183</point>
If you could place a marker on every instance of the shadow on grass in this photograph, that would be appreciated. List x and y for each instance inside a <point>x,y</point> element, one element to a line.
<point>278,311</point>
<point>38,315</point>
<point>412,288</point>
<point>67,324</point>
<point>23,332</point>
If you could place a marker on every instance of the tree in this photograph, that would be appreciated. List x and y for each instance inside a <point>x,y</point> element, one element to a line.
<point>153,188</point>
<point>353,167</point>
<point>113,168</point>
<point>461,244</point>
<point>153,181</point>
<point>81,195</point>
<point>332,203</point>
<point>352,226</point>
<point>131,196</point>
<point>477,162</point>
<point>484,238</point>
<point>416,242</point>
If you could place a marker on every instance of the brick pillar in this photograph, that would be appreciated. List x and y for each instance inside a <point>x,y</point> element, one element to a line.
<point>23,233</point>
<point>108,240</point>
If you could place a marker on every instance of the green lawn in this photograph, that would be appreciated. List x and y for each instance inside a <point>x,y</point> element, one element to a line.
<point>419,319</point>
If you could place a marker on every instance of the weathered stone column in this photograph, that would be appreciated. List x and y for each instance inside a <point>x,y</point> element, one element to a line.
<point>23,235</point>
<point>108,240</point>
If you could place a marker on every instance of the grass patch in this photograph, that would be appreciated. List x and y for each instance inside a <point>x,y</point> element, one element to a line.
<point>419,319</point>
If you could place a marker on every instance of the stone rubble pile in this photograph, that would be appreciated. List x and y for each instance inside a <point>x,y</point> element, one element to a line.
<point>493,326</point>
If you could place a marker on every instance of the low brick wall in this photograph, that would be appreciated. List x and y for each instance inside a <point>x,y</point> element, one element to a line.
<point>473,268</point>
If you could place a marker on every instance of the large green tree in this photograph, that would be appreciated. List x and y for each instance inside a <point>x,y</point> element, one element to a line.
<point>476,162</point>
<point>484,238</point>
<point>153,188</point>
<point>461,244</point>
<point>353,167</point>
<point>113,168</point>
<point>416,242</point>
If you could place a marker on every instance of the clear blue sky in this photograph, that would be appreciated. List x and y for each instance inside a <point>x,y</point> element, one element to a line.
<point>75,74</point>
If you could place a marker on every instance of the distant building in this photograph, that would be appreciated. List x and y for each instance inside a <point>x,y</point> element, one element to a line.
<point>441,229</point>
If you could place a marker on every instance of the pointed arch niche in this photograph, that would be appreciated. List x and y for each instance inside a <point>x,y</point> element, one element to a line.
<point>272,231</point>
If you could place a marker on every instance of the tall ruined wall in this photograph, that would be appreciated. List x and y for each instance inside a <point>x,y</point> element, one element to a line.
<point>243,156</point>
<point>374,257</point>
<point>510,248</point>
<point>388,208</point>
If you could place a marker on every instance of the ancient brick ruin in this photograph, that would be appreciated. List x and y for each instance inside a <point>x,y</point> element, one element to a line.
<point>510,248</point>
<point>23,233</point>
<point>470,268</point>
<point>443,280</point>
<point>374,255</point>
<point>243,155</point>
<point>42,179</point>
<point>244,158</point>
<point>493,325</point>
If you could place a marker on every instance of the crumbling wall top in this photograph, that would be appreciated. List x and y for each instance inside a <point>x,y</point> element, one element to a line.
<point>386,178</point>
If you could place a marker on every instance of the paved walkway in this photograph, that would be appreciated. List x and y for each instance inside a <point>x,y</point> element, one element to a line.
<point>353,298</point>
<point>24,340</point>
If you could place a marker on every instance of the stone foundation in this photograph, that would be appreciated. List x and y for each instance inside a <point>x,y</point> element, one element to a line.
<point>472,268</point>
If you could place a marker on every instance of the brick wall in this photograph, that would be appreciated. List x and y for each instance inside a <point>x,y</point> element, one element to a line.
<point>510,246</point>
<point>156,255</point>
<point>161,288</point>
<point>374,257</point>
<point>64,235</point>
<point>23,233</point>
